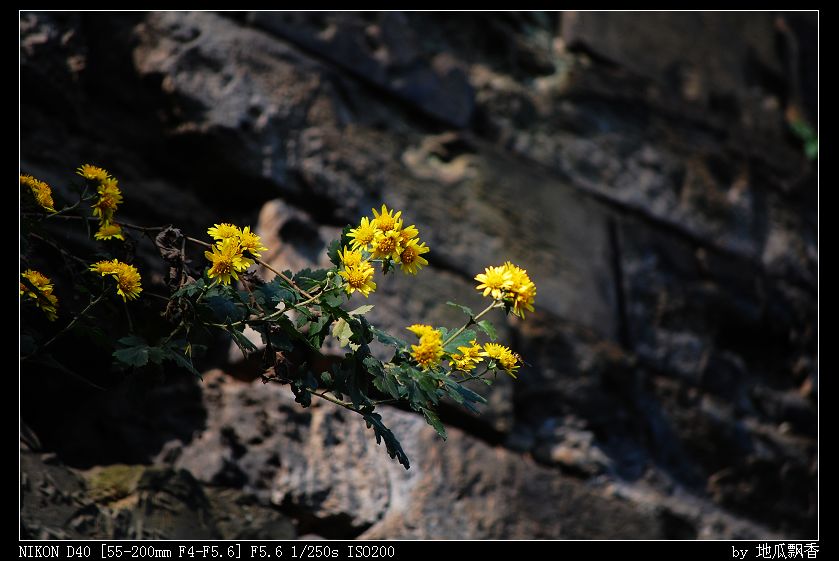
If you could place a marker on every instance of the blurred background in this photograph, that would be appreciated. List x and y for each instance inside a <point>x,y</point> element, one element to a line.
<point>655,173</point>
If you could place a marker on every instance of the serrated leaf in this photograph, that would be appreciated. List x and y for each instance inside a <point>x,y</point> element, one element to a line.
<point>388,339</point>
<point>432,419</point>
<point>275,292</point>
<point>182,361</point>
<point>224,309</point>
<point>241,341</point>
<point>394,449</point>
<point>465,309</point>
<point>133,356</point>
<point>342,331</point>
<point>189,289</point>
<point>332,299</point>
<point>361,310</point>
<point>333,251</point>
<point>462,340</point>
<point>486,326</point>
<point>133,341</point>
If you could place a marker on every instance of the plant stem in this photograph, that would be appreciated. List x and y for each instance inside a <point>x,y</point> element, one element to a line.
<point>70,325</point>
<point>472,320</point>
<point>336,401</point>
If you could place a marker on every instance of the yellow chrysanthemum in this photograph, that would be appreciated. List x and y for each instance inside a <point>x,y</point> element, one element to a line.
<point>127,277</point>
<point>110,197</point>
<point>349,257</point>
<point>493,282</point>
<point>502,355</point>
<point>40,190</point>
<point>387,220</point>
<point>468,358</point>
<point>410,258</point>
<point>429,351</point>
<point>362,235</point>
<point>42,295</point>
<point>386,244</point>
<point>359,278</point>
<point>92,172</point>
<point>227,261</point>
<point>407,233</point>
<point>521,291</point>
<point>420,329</point>
<point>251,242</point>
<point>223,231</point>
<point>105,267</point>
<point>109,231</point>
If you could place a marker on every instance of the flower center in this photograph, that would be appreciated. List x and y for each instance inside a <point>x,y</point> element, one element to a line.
<point>355,278</point>
<point>408,256</point>
<point>386,245</point>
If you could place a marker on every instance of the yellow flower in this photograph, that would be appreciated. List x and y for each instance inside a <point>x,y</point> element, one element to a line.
<point>43,296</point>
<point>251,242</point>
<point>505,358</point>
<point>468,358</point>
<point>40,190</point>
<point>410,258</point>
<point>363,234</point>
<point>386,244</point>
<point>494,281</point>
<point>92,172</point>
<point>110,198</point>
<point>429,351</point>
<point>359,278</point>
<point>420,329</point>
<point>227,260</point>
<point>407,233</point>
<point>127,277</point>
<point>223,231</point>
<point>109,231</point>
<point>105,267</point>
<point>522,291</point>
<point>387,221</point>
<point>350,258</point>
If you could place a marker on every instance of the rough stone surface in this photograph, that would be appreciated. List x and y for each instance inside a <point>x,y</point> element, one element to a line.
<point>640,166</point>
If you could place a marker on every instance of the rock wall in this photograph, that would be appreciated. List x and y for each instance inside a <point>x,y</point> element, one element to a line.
<point>640,166</point>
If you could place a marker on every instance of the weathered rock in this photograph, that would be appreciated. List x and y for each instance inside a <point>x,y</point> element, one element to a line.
<point>136,502</point>
<point>648,181</point>
<point>321,465</point>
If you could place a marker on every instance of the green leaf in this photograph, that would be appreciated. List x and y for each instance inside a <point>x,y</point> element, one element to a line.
<point>432,419</point>
<point>273,293</point>
<point>333,299</point>
<point>361,310</point>
<point>332,252</point>
<point>362,330</point>
<point>394,448</point>
<point>307,278</point>
<point>133,356</point>
<point>189,289</point>
<point>183,361</point>
<point>461,340</point>
<point>387,338</point>
<point>464,309</point>
<point>241,341</point>
<point>224,309</point>
<point>342,331</point>
<point>486,326</point>
<point>318,329</point>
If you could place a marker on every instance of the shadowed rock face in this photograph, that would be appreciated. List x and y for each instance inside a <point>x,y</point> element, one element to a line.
<point>641,167</point>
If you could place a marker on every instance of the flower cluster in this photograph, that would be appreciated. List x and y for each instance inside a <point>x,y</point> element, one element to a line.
<point>429,352</point>
<point>468,357</point>
<point>109,198</point>
<point>42,293</point>
<point>228,256</point>
<point>510,284</point>
<point>503,356</point>
<point>126,276</point>
<point>384,239</point>
<point>40,190</point>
